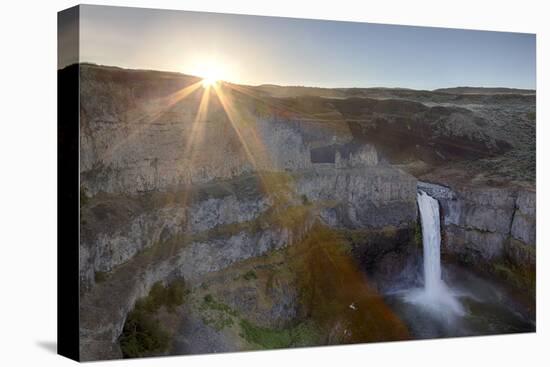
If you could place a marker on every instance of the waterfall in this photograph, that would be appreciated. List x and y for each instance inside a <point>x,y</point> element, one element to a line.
<point>435,295</point>
<point>431,241</point>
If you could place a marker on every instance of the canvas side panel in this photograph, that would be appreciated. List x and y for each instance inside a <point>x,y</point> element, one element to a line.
<point>68,187</point>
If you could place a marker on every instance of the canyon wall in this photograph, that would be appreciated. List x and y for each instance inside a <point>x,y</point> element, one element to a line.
<point>169,192</point>
<point>178,182</point>
<point>489,228</point>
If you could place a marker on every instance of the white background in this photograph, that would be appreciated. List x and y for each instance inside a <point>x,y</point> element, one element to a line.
<point>28,183</point>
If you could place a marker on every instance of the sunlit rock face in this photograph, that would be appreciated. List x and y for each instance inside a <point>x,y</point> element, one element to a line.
<point>146,131</point>
<point>137,133</point>
<point>142,133</point>
<point>181,168</point>
<point>177,190</point>
<point>284,143</point>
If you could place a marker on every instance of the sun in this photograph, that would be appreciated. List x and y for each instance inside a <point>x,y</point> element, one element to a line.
<point>211,72</point>
<point>209,82</point>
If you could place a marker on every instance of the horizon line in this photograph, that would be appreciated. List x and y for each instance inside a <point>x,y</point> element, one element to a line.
<point>291,85</point>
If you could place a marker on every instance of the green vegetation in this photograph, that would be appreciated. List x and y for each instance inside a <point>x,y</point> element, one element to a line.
<point>210,304</point>
<point>218,321</point>
<point>249,275</point>
<point>84,198</point>
<point>324,265</point>
<point>100,276</point>
<point>520,278</point>
<point>170,297</point>
<point>216,314</point>
<point>518,163</point>
<point>300,335</point>
<point>142,334</point>
<point>208,299</point>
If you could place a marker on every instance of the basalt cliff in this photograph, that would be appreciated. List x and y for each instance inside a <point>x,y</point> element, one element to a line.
<point>249,203</point>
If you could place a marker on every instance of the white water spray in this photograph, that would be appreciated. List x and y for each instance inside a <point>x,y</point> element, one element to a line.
<point>431,240</point>
<point>435,295</point>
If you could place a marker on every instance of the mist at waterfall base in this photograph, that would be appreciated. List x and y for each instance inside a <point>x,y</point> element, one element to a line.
<point>435,295</point>
<point>446,301</point>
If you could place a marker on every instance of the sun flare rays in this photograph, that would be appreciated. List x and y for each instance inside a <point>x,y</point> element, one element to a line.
<point>195,138</point>
<point>231,100</point>
<point>145,115</point>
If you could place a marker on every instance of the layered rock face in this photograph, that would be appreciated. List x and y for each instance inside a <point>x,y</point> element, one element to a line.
<point>142,131</point>
<point>138,133</point>
<point>140,167</point>
<point>182,182</point>
<point>485,225</point>
<point>117,228</point>
<point>171,191</point>
<point>366,197</point>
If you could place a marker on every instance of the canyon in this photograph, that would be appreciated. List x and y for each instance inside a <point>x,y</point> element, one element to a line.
<point>263,200</point>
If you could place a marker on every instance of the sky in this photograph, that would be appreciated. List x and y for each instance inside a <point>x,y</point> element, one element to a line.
<point>260,50</point>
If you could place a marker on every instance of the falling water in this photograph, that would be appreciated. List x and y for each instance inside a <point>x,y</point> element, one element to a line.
<point>431,240</point>
<point>435,295</point>
<point>449,301</point>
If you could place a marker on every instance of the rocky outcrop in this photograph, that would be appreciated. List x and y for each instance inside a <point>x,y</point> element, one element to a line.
<point>172,191</point>
<point>104,308</point>
<point>404,130</point>
<point>483,225</point>
<point>160,142</point>
<point>366,197</point>
<point>149,176</point>
<point>111,235</point>
<point>523,224</point>
<point>114,228</point>
<point>285,142</point>
<point>222,223</point>
<point>161,236</point>
<point>154,143</point>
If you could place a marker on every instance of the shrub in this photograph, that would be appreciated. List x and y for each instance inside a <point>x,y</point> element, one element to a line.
<point>296,336</point>
<point>142,334</point>
<point>159,295</point>
<point>208,299</point>
<point>249,275</point>
<point>265,337</point>
<point>100,276</point>
<point>210,304</point>
<point>174,296</point>
<point>216,314</point>
<point>84,198</point>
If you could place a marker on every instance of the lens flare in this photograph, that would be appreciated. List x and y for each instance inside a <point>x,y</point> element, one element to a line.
<point>209,82</point>
<point>211,72</point>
